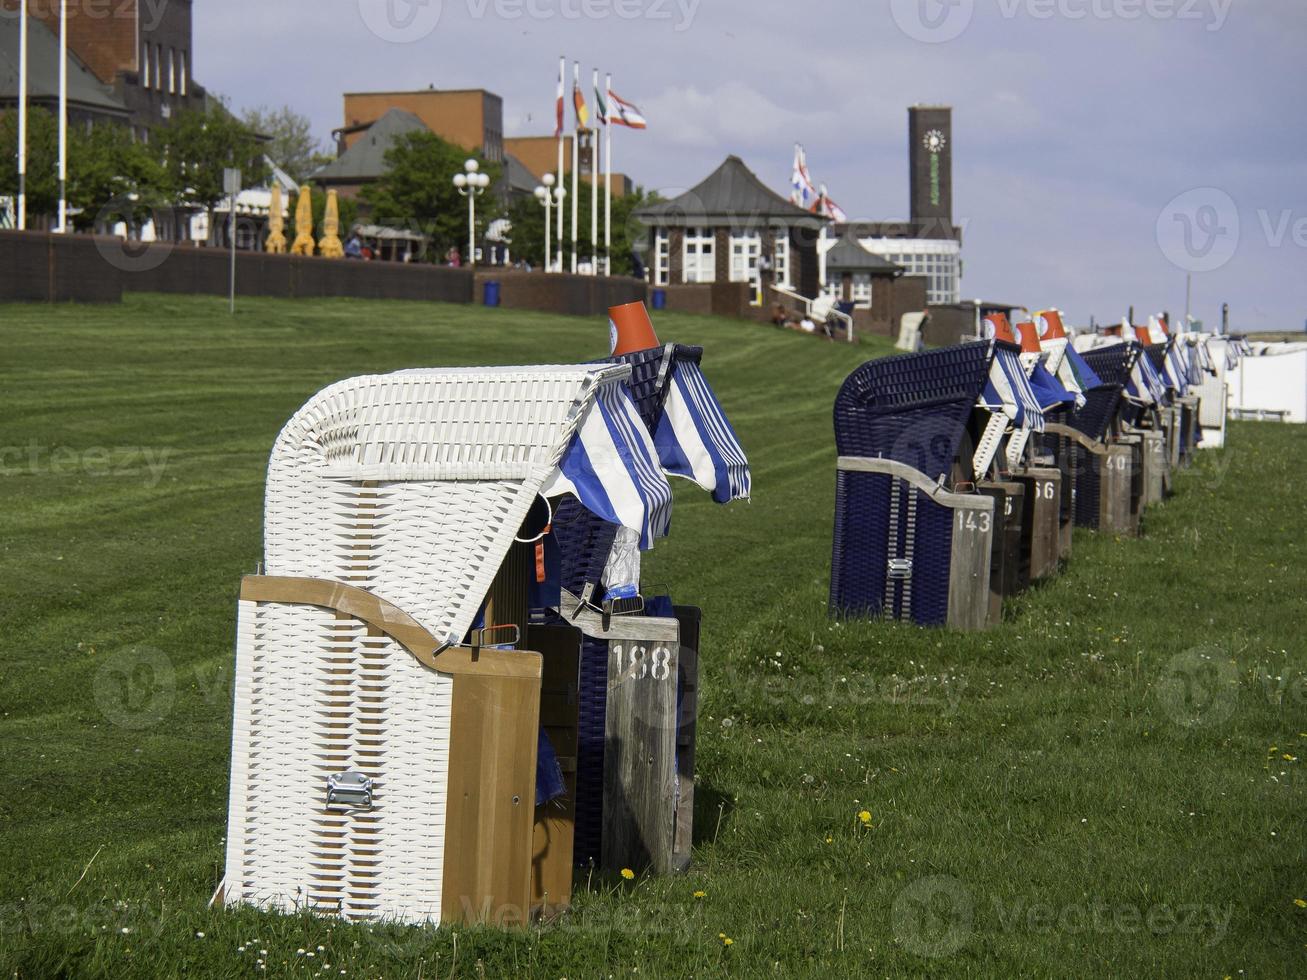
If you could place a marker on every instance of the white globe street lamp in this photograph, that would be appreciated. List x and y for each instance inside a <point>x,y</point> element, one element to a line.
<point>544,194</point>
<point>560,193</point>
<point>471,184</point>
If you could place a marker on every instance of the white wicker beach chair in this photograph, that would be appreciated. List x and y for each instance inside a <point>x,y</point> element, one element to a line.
<point>382,766</point>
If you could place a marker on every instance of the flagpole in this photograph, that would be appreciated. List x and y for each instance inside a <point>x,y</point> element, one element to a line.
<point>22,117</point>
<point>608,176</point>
<point>576,157</point>
<point>562,174</point>
<point>594,188</point>
<point>821,242</point>
<point>63,117</point>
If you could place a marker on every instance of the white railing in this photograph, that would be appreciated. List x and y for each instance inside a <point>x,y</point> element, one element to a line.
<point>824,308</point>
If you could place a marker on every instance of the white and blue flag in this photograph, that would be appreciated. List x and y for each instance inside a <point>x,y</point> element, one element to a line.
<point>612,467</point>
<point>1145,385</point>
<point>695,440</point>
<point>1008,390</point>
<point>1175,367</point>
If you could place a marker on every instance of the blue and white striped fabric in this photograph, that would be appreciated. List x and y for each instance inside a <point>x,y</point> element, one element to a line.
<point>1232,355</point>
<point>1077,376</point>
<point>1176,368</point>
<point>1008,391</point>
<point>1050,392</point>
<point>695,440</point>
<point>612,468</point>
<point>1145,385</point>
<point>1196,366</point>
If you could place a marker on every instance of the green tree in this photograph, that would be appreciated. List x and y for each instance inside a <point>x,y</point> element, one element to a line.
<point>293,146</point>
<point>197,145</point>
<point>528,218</point>
<point>42,161</point>
<point>418,193</point>
<point>112,177</point>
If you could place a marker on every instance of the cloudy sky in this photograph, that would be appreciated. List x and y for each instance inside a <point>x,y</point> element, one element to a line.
<point>1103,148</point>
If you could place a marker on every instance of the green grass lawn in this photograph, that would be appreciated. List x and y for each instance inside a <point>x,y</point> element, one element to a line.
<point>1107,784</point>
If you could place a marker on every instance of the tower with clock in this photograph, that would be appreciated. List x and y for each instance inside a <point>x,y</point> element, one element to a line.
<point>930,153</point>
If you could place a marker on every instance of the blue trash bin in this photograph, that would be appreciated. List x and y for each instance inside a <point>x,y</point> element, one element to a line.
<point>492,292</point>
<point>659,299</point>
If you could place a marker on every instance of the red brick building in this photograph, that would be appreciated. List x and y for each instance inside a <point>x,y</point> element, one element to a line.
<point>131,60</point>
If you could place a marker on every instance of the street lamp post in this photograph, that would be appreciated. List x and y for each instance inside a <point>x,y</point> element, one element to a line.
<point>560,195</point>
<point>471,184</point>
<point>545,195</point>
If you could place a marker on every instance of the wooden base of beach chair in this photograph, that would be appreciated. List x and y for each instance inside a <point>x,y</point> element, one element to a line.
<point>1191,432</point>
<point>1059,455</point>
<point>1007,575</point>
<point>1107,470</point>
<point>1120,496</point>
<point>1156,466</point>
<point>377,773</point>
<point>900,536</point>
<point>651,696</point>
<point>1043,485</point>
<point>555,820</point>
<point>1171,426</point>
<point>687,724</point>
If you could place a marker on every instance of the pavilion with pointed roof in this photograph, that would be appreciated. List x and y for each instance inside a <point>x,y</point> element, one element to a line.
<point>731,227</point>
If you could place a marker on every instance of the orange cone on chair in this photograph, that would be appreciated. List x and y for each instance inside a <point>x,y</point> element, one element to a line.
<point>1028,337</point>
<point>1048,323</point>
<point>996,327</point>
<point>630,328</point>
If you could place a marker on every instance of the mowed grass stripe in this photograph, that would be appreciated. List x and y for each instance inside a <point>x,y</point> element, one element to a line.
<point>1044,769</point>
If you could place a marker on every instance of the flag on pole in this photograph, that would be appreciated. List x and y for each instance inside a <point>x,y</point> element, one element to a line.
<point>601,106</point>
<point>558,128</point>
<point>828,208</point>
<point>623,113</point>
<point>582,111</point>
<point>802,192</point>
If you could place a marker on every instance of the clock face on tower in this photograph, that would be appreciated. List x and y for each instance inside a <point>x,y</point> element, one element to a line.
<point>935,141</point>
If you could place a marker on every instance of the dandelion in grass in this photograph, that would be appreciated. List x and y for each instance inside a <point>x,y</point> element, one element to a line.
<point>628,874</point>
<point>1300,903</point>
<point>726,940</point>
<point>864,817</point>
<point>700,894</point>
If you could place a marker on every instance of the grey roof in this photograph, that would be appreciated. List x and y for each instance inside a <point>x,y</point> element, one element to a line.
<point>366,159</point>
<point>849,256</point>
<point>730,193</point>
<point>85,91</point>
<point>517,176</point>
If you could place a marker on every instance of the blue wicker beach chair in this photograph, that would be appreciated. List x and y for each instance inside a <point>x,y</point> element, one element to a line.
<point>585,543</point>
<point>599,576</point>
<point>1107,495</point>
<point>913,540</point>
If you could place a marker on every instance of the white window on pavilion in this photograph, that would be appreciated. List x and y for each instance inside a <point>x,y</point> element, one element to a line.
<point>745,252</point>
<point>662,257</point>
<point>834,285</point>
<point>700,264</point>
<point>781,258</point>
<point>862,290</point>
